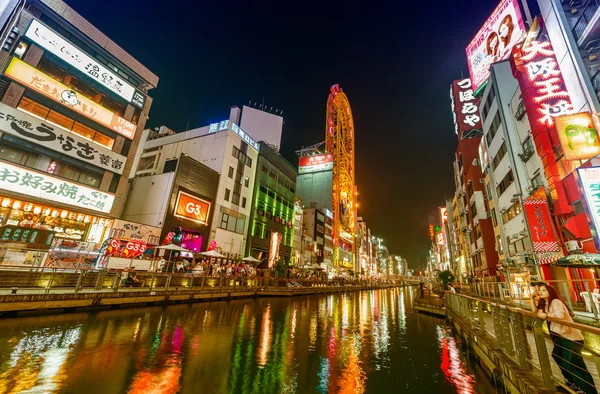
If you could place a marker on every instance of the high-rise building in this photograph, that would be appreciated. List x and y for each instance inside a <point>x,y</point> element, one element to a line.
<point>271,235</point>
<point>74,104</point>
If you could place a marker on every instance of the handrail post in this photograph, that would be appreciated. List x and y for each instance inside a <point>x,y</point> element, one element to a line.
<point>80,281</point>
<point>542,351</point>
<point>100,280</point>
<point>50,281</point>
<point>501,292</point>
<point>168,282</point>
<point>591,297</point>
<point>520,336</point>
<point>481,317</point>
<point>567,295</point>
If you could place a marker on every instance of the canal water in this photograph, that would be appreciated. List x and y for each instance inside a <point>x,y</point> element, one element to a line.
<point>357,342</point>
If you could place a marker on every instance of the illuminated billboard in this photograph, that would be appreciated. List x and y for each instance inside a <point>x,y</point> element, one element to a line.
<point>315,163</point>
<point>578,136</point>
<point>53,89</point>
<point>494,41</point>
<point>192,208</point>
<point>67,52</point>
<point>465,109</point>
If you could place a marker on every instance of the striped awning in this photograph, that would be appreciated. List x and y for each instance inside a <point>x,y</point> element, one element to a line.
<point>548,258</point>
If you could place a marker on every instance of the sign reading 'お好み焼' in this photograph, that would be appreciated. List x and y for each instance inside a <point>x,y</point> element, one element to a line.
<point>67,52</point>
<point>40,185</point>
<point>32,129</point>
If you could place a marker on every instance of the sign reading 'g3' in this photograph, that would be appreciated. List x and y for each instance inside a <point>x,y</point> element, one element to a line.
<point>191,208</point>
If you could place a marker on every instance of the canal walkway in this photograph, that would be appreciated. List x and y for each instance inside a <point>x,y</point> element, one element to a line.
<point>43,291</point>
<point>519,352</point>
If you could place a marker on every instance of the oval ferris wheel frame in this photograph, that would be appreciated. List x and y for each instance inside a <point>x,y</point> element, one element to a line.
<point>339,140</point>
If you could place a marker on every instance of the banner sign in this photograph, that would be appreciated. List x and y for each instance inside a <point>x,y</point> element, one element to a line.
<point>578,136</point>
<point>465,109</point>
<point>24,126</point>
<point>51,88</point>
<point>590,182</point>
<point>494,41</point>
<point>315,163</point>
<point>72,55</point>
<point>129,231</point>
<point>540,226</point>
<point>133,249</point>
<point>191,208</point>
<point>40,185</point>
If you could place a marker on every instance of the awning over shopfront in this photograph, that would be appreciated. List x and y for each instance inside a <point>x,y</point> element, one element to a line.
<point>579,260</point>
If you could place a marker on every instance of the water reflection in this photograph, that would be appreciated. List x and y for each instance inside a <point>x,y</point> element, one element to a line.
<point>348,343</point>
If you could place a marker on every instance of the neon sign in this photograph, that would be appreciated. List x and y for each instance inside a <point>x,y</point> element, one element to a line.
<point>551,97</point>
<point>224,125</point>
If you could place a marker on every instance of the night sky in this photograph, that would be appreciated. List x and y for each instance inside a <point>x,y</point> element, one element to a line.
<point>394,60</point>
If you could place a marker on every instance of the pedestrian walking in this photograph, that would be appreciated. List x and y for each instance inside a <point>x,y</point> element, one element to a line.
<point>568,341</point>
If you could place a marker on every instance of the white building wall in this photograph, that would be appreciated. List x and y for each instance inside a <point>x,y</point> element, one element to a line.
<point>148,199</point>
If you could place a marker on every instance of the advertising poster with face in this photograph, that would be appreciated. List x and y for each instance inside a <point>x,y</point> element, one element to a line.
<point>495,40</point>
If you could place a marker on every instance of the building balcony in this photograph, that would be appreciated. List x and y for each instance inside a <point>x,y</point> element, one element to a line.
<point>586,27</point>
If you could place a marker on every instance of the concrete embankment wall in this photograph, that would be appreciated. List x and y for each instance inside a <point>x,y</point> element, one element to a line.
<point>504,372</point>
<point>11,305</point>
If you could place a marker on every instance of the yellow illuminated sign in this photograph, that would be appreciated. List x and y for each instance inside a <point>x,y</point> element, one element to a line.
<point>51,88</point>
<point>578,136</point>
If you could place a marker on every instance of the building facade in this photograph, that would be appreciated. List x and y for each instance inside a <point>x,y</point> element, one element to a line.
<point>272,234</point>
<point>74,104</point>
<point>225,148</point>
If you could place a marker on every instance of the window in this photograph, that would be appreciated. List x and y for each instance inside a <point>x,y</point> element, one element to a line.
<point>231,223</point>
<point>246,181</point>
<point>264,169</point>
<point>236,198</point>
<point>231,172</point>
<point>227,193</point>
<point>496,123</point>
<point>499,156</point>
<point>528,149</point>
<point>114,183</point>
<point>505,183</point>
<point>494,218</point>
<point>511,212</point>
<point>243,202</point>
<point>241,156</point>
<point>41,111</point>
<point>473,210</point>
<point>488,103</point>
<point>537,181</point>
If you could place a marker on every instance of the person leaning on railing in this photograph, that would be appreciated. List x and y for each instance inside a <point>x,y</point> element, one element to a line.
<point>568,341</point>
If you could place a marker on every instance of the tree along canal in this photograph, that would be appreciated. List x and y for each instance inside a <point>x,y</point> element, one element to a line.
<point>355,342</point>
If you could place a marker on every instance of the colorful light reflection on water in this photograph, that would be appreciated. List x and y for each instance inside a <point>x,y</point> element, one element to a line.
<point>348,343</point>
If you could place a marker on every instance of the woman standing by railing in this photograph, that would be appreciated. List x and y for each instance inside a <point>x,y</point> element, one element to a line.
<point>568,342</point>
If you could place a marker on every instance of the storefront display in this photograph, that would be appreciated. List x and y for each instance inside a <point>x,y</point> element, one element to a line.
<point>63,223</point>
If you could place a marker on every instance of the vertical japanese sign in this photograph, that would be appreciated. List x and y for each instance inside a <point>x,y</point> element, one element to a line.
<point>51,88</point>
<point>494,41</point>
<point>590,182</point>
<point>465,108</point>
<point>540,226</point>
<point>543,88</point>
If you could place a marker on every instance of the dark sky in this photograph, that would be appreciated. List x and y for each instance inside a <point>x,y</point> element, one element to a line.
<point>395,60</point>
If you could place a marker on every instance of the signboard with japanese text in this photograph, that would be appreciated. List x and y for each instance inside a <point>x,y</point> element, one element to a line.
<point>39,185</point>
<point>465,108</point>
<point>315,163</point>
<point>51,88</point>
<point>192,208</point>
<point>443,215</point>
<point>127,231</point>
<point>578,136</point>
<point>540,225</point>
<point>495,40</point>
<point>542,85</point>
<point>224,125</point>
<point>58,46</point>
<point>590,182</point>
<point>22,125</point>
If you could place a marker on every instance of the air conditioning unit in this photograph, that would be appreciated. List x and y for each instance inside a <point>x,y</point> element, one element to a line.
<point>573,246</point>
<point>482,180</point>
<point>475,162</point>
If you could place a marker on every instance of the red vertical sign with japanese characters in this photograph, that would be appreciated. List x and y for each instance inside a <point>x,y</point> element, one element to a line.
<point>465,108</point>
<point>540,226</point>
